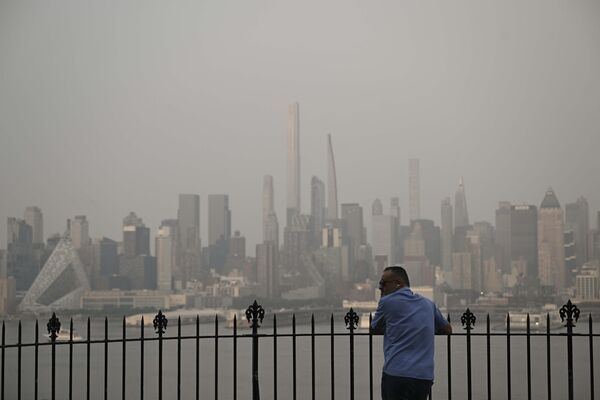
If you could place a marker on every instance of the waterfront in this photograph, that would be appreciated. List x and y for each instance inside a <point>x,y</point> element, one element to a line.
<point>284,366</point>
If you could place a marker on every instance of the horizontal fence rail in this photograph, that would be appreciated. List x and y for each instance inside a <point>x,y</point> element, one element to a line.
<point>255,316</point>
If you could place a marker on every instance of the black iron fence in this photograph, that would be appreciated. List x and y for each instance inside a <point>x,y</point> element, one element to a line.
<point>255,316</point>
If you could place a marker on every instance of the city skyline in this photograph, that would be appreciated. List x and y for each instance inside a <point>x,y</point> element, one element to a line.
<point>103,127</point>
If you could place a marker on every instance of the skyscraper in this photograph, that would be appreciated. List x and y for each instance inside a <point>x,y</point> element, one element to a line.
<point>188,221</point>
<point>293,176</point>
<point>35,219</point>
<point>317,207</point>
<point>577,218</point>
<point>136,236</point>
<point>270,222</point>
<point>80,235</point>
<point>165,257</point>
<point>267,269</point>
<point>382,228</point>
<point>219,218</point>
<point>395,213</point>
<point>551,251</point>
<point>332,200</point>
<point>414,188</point>
<point>461,215</point>
<point>503,231</point>
<point>219,230</point>
<point>352,217</point>
<point>523,238</point>
<point>446,234</point>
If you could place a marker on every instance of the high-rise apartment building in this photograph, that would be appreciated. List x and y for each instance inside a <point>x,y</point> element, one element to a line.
<point>20,262</point>
<point>165,257</point>
<point>35,219</point>
<point>270,222</point>
<point>267,269</point>
<point>551,251</point>
<point>293,158</point>
<point>332,196</point>
<point>353,228</point>
<point>396,216</point>
<point>414,189</point>
<point>317,207</point>
<point>136,236</point>
<point>188,222</point>
<point>577,218</point>
<point>219,218</point>
<point>523,238</point>
<point>80,232</point>
<point>461,214</point>
<point>383,234</point>
<point>503,216</point>
<point>446,234</point>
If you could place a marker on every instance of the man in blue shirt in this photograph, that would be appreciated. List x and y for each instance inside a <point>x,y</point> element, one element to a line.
<point>408,322</point>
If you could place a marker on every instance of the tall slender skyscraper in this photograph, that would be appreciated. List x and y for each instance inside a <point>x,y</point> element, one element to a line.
<point>317,207</point>
<point>270,222</point>
<point>503,236</point>
<point>382,227</point>
<point>165,257</point>
<point>461,215</point>
<point>35,219</point>
<point>446,233</point>
<point>332,200</point>
<point>293,178</point>
<point>414,189</point>
<point>551,250</point>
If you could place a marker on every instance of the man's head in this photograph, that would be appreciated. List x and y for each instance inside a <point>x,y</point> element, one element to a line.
<point>392,279</point>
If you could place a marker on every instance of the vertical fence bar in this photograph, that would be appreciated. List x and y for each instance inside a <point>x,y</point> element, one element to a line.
<point>351,320</point>
<point>255,314</point>
<point>468,320</point>
<point>570,313</point>
<point>36,356</point>
<point>449,356</point>
<point>3,363</point>
<point>508,379</point>
<point>216,357</point>
<point>179,358</point>
<point>197,357</point>
<point>157,323</point>
<point>274,357</point>
<point>312,355</point>
<point>87,361</point>
<point>19,362</point>
<point>332,348</point>
<point>548,367</point>
<point>370,358</point>
<point>53,332</point>
<point>528,357</point>
<point>489,357</point>
<point>71,360</point>
<point>591,340</point>
<point>235,357</point>
<point>124,361</point>
<point>294,356</point>
<point>142,358</point>
<point>105,358</point>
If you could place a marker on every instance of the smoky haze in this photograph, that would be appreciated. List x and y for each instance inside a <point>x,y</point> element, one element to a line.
<point>111,107</point>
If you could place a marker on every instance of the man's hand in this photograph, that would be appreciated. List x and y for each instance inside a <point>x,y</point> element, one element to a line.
<point>445,330</point>
<point>379,329</point>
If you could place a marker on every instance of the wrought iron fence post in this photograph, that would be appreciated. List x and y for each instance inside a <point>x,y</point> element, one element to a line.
<point>53,329</point>
<point>351,321</point>
<point>160,326</point>
<point>255,314</point>
<point>569,312</point>
<point>468,320</point>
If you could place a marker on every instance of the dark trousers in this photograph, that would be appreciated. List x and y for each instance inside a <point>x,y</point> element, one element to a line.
<point>400,388</point>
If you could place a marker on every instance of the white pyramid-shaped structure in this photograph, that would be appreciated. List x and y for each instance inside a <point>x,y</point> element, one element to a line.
<point>61,282</point>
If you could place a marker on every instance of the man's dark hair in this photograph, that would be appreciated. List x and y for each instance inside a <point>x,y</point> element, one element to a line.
<point>400,272</point>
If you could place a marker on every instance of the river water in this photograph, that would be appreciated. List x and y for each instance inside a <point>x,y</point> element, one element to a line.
<point>284,365</point>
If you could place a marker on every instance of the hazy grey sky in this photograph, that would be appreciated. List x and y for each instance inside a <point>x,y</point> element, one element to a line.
<point>113,106</point>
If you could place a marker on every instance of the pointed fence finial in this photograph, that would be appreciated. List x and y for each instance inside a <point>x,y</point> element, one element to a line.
<point>160,323</point>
